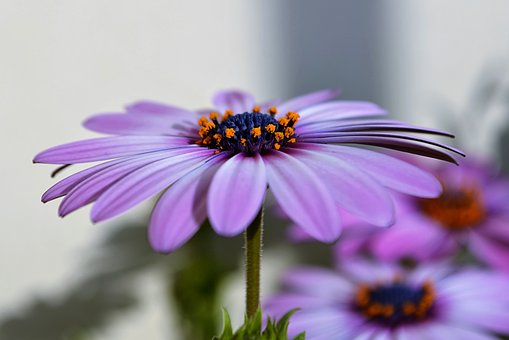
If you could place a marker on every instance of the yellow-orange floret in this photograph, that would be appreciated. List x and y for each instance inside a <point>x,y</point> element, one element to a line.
<point>272,110</point>
<point>270,128</point>
<point>256,132</point>
<point>229,132</point>
<point>289,132</point>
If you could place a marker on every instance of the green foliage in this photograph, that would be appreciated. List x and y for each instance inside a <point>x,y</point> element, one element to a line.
<point>252,328</point>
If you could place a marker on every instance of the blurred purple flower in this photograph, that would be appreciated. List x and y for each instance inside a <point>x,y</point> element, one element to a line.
<point>472,211</point>
<point>220,167</point>
<point>382,301</point>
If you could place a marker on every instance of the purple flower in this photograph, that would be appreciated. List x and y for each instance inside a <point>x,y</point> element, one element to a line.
<point>219,166</point>
<point>382,301</point>
<point>472,212</point>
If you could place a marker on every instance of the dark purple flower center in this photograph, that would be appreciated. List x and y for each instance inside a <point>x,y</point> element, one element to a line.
<point>248,132</point>
<point>395,303</point>
<point>455,209</point>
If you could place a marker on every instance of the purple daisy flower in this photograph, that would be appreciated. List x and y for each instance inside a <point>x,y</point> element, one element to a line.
<point>471,212</point>
<point>219,166</point>
<point>382,301</point>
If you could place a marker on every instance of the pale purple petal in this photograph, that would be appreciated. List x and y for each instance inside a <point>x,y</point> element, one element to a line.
<point>126,124</point>
<point>155,109</point>
<point>92,187</point>
<point>302,196</point>
<point>337,108</point>
<point>145,183</point>
<point>496,196</point>
<point>182,209</point>
<point>279,305</point>
<point>265,106</point>
<point>496,227</point>
<point>360,270</point>
<point>99,149</point>
<point>482,314</point>
<point>353,190</point>
<point>408,146</point>
<point>236,194</point>
<point>63,187</point>
<point>301,102</point>
<point>324,324</point>
<point>236,100</point>
<point>412,237</point>
<point>446,331</point>
<point>490,251</point>
<point>354,135</point>
<point>391,172</point>
<point>332,285</point>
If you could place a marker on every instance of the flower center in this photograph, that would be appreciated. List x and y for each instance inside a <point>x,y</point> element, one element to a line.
<point>248,132</point>
<point>455,209</point>
<point>395,303</point>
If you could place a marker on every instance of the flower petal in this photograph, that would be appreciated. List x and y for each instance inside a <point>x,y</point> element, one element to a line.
<point>333,286</point>
<point>236,100</point>
<point>446,331</point>
<point>64,186</point>
<point>182,209</point>
<point>391,172</point>
<point>339,110</point>
<point>302,196</point>
<point>413,237</point>
<point>144,183</point>
<point>403,145</point>
<point>125,124</point>
<point>353,190</point>
<point>92,187</point>
<point>298,103</point>
<point>154,109</point>
<point>489,250</point>
<point>98,149</point>
<point>236,194</point>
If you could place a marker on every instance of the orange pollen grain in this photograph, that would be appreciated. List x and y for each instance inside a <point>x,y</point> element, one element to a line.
<point>256,132</point>
<point>293,116</point>
<point>272,110</point>
<point>243,141</point>
<point>408,308</point>
<point>270,128</point>
<point>279,136</point>
<point>277,146</point>
<point>207,140</point>
<point>289,132</point>
<point>292,141</point>
<point>256,109</point>
<point>213,115</point>
<point>227,114</point>
<point>283,121</point>
<point>202,121</point>
<point>203,132</point>
<point>229,132</point>
<point>388,311</point>
<point>218,137</point>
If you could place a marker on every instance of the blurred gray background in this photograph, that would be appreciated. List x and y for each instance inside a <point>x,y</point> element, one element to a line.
<point>433,62</point>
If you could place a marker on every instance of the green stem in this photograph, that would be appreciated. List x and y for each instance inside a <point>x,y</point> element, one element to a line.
<point>253,245</point>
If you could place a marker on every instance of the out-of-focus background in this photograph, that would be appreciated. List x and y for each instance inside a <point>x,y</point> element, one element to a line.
<point>433,62</point>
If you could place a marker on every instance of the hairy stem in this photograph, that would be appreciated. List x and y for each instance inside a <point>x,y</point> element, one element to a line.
<point>253,245</point>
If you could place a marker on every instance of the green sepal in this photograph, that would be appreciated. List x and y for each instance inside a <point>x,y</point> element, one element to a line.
<point>252,328</point>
